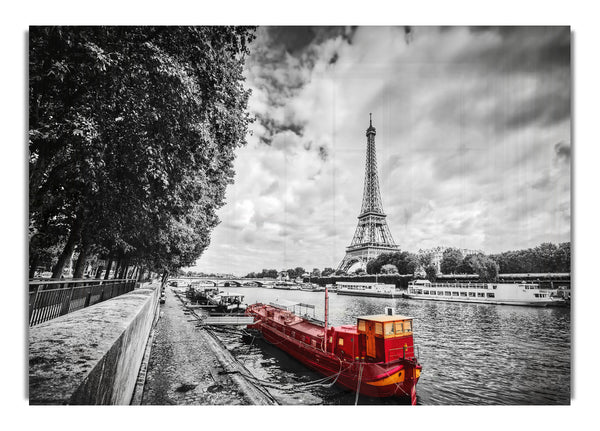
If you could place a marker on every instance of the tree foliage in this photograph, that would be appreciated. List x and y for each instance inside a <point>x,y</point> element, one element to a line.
<point>451,260</point>
<point>403,261</point>
<point>327,272</point>
<point>482,265</point>
<point>132,138</point>
<point>388,268</point>
<point>546,257</point>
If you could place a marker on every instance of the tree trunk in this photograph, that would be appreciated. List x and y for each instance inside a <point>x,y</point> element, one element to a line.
<point>33,265</point>
<point>131,272</point>
<point>108,266</point>
<point>99,271</point>
<point>124,268</point>
<point>164,277</point>
<point>142,270</point>
<point>117,267</point>
<point>82,259</point>
<point>68,250</point>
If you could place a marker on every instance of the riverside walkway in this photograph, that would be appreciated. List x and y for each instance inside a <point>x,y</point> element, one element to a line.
<point>187,366</point>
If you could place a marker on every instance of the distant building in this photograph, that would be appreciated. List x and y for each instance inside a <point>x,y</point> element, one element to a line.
<point>438,252</point>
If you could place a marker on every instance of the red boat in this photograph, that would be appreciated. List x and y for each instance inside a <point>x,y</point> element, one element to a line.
<point>375,357</point>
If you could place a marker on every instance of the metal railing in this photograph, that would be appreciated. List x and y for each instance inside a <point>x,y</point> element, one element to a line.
<point>49,299</point>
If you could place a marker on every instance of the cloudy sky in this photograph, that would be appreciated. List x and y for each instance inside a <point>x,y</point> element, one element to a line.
<point>473,142</point>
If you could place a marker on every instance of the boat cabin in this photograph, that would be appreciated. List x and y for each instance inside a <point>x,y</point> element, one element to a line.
<point>384,337</point>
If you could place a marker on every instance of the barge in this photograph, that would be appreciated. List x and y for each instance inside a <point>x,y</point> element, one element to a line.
<point>376,357</point>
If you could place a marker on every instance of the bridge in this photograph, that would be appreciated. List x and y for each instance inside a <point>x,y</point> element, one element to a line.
<point>227,282</point>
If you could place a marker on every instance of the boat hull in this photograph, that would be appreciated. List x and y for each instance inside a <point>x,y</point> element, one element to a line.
<point>371,294</point>
<point>479,301</point>
<point>397,378</point>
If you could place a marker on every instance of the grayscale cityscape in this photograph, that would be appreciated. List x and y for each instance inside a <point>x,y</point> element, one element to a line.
<point>299,215</point>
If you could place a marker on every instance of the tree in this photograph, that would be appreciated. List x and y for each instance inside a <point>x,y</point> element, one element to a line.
<point>403,261</point>
<point>425,259</point>
<point>431,272</point>
<point>360,271</point>
<point>327,272</point>
<point>412,264</point>
<point>389,269</point>
<point>340,272</point>
<point>451,260</point>
<point>315,273</point>
<point>546,257</point>
<point>482,265</point>
<point>563,257</point>
<point>132,137</point>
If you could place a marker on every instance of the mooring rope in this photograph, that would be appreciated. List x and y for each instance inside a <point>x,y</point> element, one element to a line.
<point>360,371</point>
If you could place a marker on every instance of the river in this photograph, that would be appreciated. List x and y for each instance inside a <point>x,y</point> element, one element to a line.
<point>472,354</point>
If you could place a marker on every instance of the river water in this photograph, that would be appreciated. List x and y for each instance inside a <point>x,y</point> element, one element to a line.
<point>472,354</point>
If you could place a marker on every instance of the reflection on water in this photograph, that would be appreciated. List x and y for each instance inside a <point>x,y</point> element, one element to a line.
<point>471,353</point>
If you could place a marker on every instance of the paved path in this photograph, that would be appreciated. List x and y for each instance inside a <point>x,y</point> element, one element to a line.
<point>184,366</point>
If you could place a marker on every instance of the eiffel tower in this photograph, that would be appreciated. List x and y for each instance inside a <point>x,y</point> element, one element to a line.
<point>372,236</point>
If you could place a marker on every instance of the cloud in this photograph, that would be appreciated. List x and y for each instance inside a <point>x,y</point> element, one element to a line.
<point>473,142</point>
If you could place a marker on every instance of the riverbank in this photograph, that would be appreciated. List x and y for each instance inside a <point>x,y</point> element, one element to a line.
<point>187,366</point>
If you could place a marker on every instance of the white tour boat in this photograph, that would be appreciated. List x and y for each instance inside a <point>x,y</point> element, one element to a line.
<point>485,293</point>
<point>379,290</point>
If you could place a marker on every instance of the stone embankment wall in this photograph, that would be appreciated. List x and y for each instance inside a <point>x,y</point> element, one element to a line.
<point>92,356</point>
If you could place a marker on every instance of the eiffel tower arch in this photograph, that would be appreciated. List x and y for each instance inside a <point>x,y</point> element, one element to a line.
<point>372,236</point>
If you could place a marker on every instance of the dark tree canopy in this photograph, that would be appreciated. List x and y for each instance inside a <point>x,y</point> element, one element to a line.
<point>327,271</point>
<point>405,262</point>
<point>132,138</point>
<point>451,261</point>
<point>482,265</point>
<point>546,257</point>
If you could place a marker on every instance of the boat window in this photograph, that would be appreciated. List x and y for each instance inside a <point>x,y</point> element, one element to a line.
<point>408,326</point>
<point>471,293</point>
<point>448,293</point>
<point>361,325</point>
<point>378,328</point>
<point>313,342</point>
<point>463,293</point>
<point>340,341</point>
<point>399,328</point>
<point>389,328</point>
<point>440,292</point>
<point>480,294</point>
<point>454,293</point>
<point>426,292</point>
<point>491,295</point>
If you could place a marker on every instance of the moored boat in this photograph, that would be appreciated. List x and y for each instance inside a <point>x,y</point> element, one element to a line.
<point>285,285</point>
<point>484,293</point>
<point>311,287</point>
<point>377,290</point>
<point>228,302</point>
<point>201,294</point>
<point>375,357</point>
